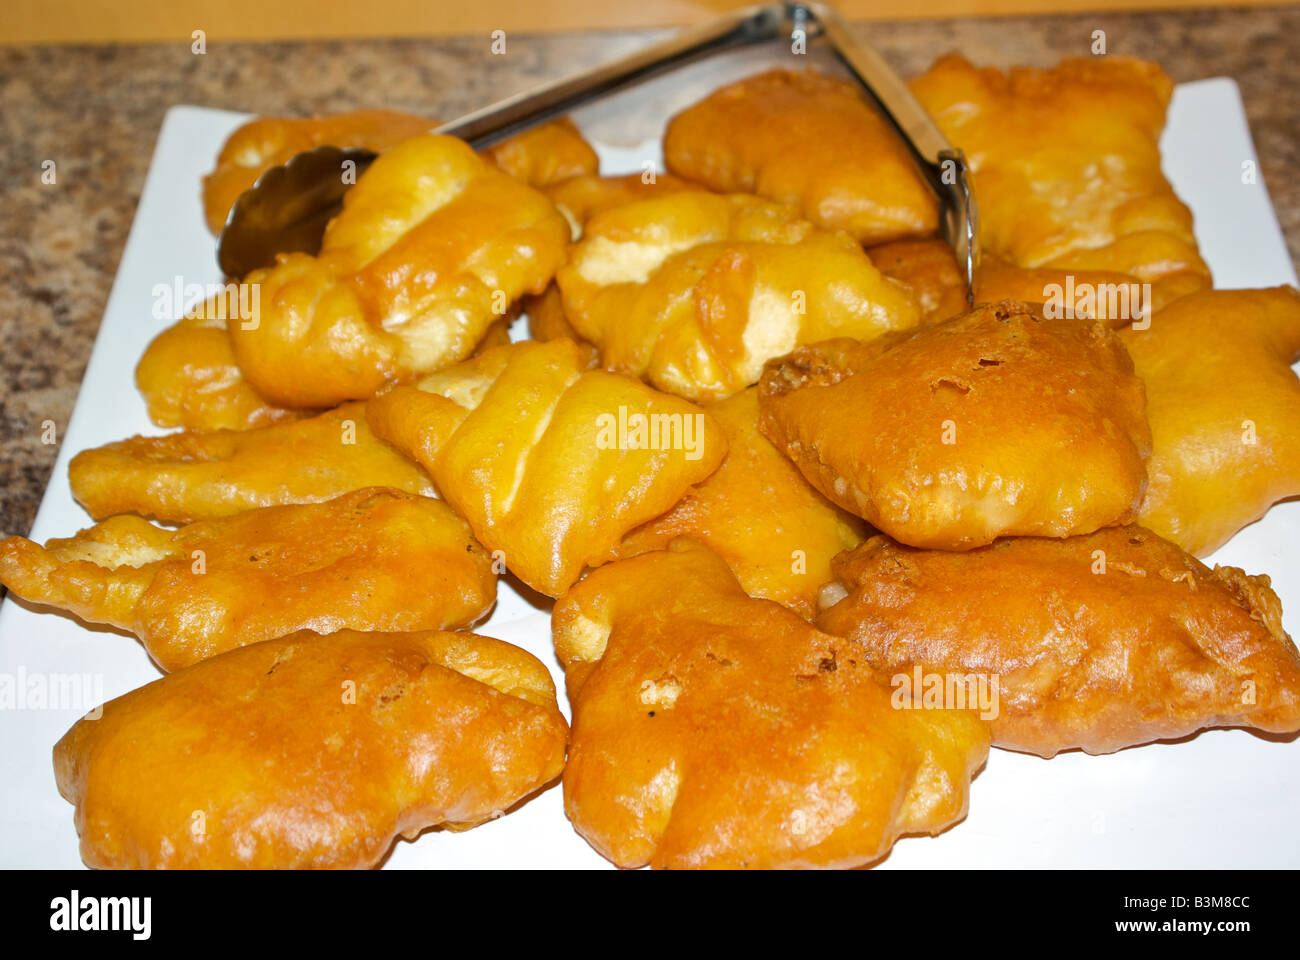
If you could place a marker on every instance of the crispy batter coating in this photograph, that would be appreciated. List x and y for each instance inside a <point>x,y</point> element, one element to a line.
<point>993,423</point>
<point>809,141</point>
<point>311,751</point>
<point>1098,642</point>
<point>190,476</point>
<point>694,291</point>
<point>757,512</point>
<point>551,463</point>
<point>711,729</point>
<point>545,155</point>
<point>1066,164</point>
<point>1224,406</point>
<point>433,245</point>
<point>269,141</point>
<point>374,559</point>
<point>189,378</point>
<point>930,269</point>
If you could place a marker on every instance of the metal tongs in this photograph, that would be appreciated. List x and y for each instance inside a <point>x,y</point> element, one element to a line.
<point>288,207</point>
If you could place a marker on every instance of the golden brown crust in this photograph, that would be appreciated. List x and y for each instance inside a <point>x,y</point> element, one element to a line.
<point>310,751</point>
<point>374,559</point>
<point>269,141</point>
<point>545,155</point>
<point>993,423</point>
<point>714,730</point>
<point>544,458</point>
<point>776,533</point>
<point>189,378</point>
<point>1098,642</point>
<point>1066,164</point>
<point>432,246</point>
<point>182,477</point>
<point>1224,406</point>
<point>809,141</point>
<point>693,291</point>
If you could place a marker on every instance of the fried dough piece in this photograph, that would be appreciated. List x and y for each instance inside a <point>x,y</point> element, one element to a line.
<point>776,533</point>
<point>544,155</point>
<point>433,244</point>
<point>1067,166</point>
<point>374,559</point>
<point>581,198</point>
<point>189,476</point>
<point>809,141</point>
<point>694,291</point>
<point>311,751</point>
<point>1224,406</point>
<point>993,423</point>
<point>930,269</point>
<point>1098,642</point>
<point>551,463</point>
<point>269,141</point>
<point>189,378</point>
<point>539,156</point>
<point>711,729</point>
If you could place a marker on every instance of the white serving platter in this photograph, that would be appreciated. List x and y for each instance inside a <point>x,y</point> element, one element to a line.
<point>1224,798</point>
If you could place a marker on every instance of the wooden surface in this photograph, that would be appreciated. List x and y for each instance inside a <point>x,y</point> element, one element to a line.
<point>169,21</point>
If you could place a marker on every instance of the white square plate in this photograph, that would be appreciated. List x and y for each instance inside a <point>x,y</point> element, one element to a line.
<point>1225,798</point>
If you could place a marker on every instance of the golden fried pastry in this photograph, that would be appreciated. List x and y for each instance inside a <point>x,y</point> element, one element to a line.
<point>930,269</point>
<point>311,751</point>
<point>269,141</point>
<point>809,141</point>
<point>551,463</point>
<point>545,154</point>
<point>581,198</point>
<point>1066,164</point>
<point>546,317</point>
<point>993,423</point>
<point>189,378</point>
<point>694,291</point>
<point>757,512</point>
<point>374,559</point>
<point>190,476</point>
<point>433,245</point>
<point>1224,406</point>
<point>1099,642</point>
<point>711,729</point>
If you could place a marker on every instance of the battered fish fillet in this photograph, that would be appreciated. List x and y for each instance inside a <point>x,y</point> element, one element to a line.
<point>1067,166</point>
<point>711,729</point>
<point>993,423</point>
<point>196,476</point>
<point>809,141</point>
<point>930,269</point>
<point>551,463</point>
<point>311,751</point>
<point>269,141</point>
<point>432,246</point>
<point>189,378</point>
<point>776,533</point>
<point>694,291</point>
<point>1224,406</point>
<point>1098,642</point>
<point>374,559</point>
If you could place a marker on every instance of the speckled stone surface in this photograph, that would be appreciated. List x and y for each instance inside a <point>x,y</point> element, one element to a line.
<point>96,112</point>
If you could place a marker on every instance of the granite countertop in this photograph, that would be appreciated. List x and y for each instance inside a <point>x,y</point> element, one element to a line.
<point>96,112</point>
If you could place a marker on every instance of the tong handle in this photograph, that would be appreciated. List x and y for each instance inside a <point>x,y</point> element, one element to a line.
<point>749,25</point>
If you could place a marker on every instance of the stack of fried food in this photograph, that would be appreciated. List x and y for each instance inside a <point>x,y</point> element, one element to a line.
<point>757,449</point>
